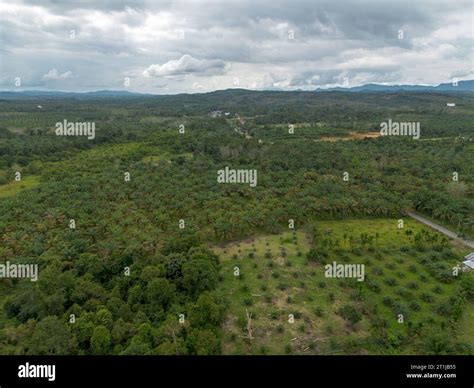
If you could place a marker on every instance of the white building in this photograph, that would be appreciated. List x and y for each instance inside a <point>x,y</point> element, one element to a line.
<point>468,263</point>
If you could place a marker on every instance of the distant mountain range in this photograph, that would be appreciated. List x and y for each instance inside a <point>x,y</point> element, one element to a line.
<point>33,94</point>
<point>463,86</point>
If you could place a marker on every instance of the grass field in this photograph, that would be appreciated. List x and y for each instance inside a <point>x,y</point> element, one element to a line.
<point>14,187</point>
<point>467,323</point>
<point>276,280</point>
<point>166,156</point>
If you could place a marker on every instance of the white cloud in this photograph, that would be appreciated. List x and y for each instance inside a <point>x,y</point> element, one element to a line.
<point>54,75</point>
<point>186,65</point>
<point>245,40</point>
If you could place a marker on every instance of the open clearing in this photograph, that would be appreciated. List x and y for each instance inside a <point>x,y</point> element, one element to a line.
<point>14,187</point>
<point>276,280</point>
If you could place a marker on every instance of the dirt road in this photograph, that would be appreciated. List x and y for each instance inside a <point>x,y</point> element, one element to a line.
<point>440,229</point>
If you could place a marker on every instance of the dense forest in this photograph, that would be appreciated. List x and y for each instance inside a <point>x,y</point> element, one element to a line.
<point>140,270</point>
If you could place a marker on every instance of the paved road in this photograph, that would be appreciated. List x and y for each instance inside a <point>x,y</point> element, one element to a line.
<point>440,229</point>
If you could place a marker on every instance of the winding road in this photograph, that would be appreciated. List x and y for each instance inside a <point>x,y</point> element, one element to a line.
<point>440,229</point>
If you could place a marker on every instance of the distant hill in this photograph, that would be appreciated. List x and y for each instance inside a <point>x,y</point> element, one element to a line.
<point>463,86</point>
<point>34,94</point>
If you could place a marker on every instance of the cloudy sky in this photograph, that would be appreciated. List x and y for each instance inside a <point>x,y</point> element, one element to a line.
<point>189,46</point>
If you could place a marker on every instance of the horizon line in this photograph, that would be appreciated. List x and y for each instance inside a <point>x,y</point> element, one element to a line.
<point>317,89</point>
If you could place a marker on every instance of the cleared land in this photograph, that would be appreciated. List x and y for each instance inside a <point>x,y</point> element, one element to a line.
<point>276,279</point>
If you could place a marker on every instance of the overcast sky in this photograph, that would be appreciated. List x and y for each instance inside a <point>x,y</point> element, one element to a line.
<point>167,47</point>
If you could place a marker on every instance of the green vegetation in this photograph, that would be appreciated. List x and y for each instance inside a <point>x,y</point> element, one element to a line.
<point>334,316</point>
<point>466,327</point>
<point>14,187</point>
<point>149,267</point>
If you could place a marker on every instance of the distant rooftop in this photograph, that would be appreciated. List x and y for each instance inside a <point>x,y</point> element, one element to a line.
<point>469,262</point>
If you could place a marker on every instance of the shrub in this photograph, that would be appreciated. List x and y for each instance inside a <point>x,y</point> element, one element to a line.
<point>438,290</point>
<point>391,282</point>
<point>467,285</point>
<point>403,292</point>
<point>374,286</point>
<point>350,314</point>
<point>413,285</point>
<point>318,311</point>
<point>428,298</point>
<point>316,256</point>
<point>377,271</point>
<point>444,309</point>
